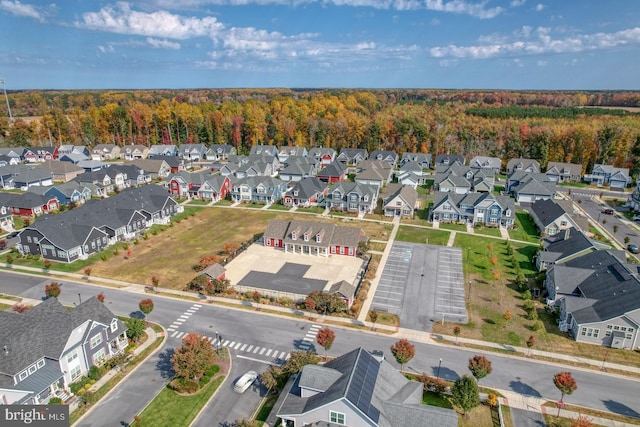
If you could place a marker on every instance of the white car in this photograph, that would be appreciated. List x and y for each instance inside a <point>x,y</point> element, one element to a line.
<point>245,381</point>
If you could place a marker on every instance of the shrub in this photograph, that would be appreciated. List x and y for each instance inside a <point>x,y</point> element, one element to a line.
<point>204,380</point>
<point>94,373</point>
<point>212,370</point>
<point>532,315</point>
<point>80,392</point>
<point>87,386</point>
<point>55,401</point>
<point>284,301</point>
<point>537,325</point>
<point>184,385</point>
<point>526,295</point>
<point>529,305</point>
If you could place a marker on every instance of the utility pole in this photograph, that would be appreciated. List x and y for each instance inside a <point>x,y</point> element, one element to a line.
<point>7,98</point>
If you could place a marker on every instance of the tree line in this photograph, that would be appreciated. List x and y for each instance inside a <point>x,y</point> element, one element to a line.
<point>498,124</point>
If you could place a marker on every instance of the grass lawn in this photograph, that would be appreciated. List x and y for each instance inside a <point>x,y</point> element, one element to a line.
<point>487,231</point>
<point>199,202</point>
<point>279,207</point>
<point>480,416</point>
<point>4,307</point>
<point>171,409</point>
<point>313,209</point>
<point>454,227</point>
<point>435,399</point>
<point>524,229</point>
<point>420,235</point>
<point>224,202</point>
<point>170,254</point>
<point>375,246</point>
<point>597,235</point>
<point>386,319</point>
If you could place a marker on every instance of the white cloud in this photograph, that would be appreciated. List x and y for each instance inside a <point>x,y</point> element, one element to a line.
<point>162,44</point>
<point>106,49</point>
<point>540,42</point>
<point>541,63</point>
<point>476,9</point>
<point>20,9</point>
<point>539,7</point>
<point>517,3</point>
<point>123,20</point>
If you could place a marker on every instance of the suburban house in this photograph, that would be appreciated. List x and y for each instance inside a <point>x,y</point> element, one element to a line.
<point>258,189</point>
<point>483,162</point>
<point>562,247</point>
<point>387,156</point>
<point>214,188</point>
<point>62,171</point>
<point>554,216</point>
<point>374,172</point>
<point>357,389</point>
<point>73,157</point>
<point>411,173</point>
<point>352,197</point>
<point>305,193</point>
<point>462,179</point>
<point>448,160</point>
<point>101,182</point>
<point>133,175</point>
<point>352,156</point>
<point>262,166</point>
<point>104,152</point>
<point>157,168</point>
<point>473,208</point>
<point>8,160</point>
<point>91,165</point>
<point>29,176</point>
<point>564,172</point>
<point>400,200</point>
<point>616,178</point>
<point>423,159</point>
<point>333,172</point>
<point>90,228</point>
<point>287,151</point>
<point>297,168</point>
<point>48,347</point>
<point>28,204</point>
<point>324,155</point>
<point>65,149</point>
<point>529,187</point>
<point>6,219</point>
<point>220,151</point>
<point>634,199</point>
<point>38,154</point>
<point>192,152</point>
<point>214,272</point>
<point>597,296</point>
<point>12,152</point>
<point>313,238</point>
<point>199,185</point>
<point>176,163</point>
<point>162,150</point>
<point>67,193</point>
<point>264,150</point>
<point>523,165</point>
<point>134,152</point>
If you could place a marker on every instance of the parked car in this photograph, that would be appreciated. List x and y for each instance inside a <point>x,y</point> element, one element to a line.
<point>636,218</point>
<point>12,234</point>
<point>633,248</point>
<point>608,211</point>
<point>245,381</point>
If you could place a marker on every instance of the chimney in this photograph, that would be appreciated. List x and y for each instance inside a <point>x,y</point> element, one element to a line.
<point>567,232</point>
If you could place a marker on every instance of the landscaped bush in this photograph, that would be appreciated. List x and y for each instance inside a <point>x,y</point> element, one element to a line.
<point>204,380</point>
<point>184,385</point>
<point>212,370</point>
<point>55,401</point>
<point>94,373</point>
<point>79,385</point>
<point>285,302</point>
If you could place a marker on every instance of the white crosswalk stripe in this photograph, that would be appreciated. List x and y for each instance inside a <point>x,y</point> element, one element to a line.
<point>249,349</point>
<point>180,334</point>
<point>269,352</point>
<point>255,350</point>
<point>263,350</point>
<point>225,343</point>
<point>174,334</point>
<point>232,344</point>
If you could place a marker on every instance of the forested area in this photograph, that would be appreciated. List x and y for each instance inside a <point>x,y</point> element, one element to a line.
<point>547,126</point>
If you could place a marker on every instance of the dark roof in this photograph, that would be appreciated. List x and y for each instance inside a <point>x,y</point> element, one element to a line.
<point>565,244</point>
<point>24,200</point>
<point>344,288</point>
<point>336,169</point>
<point>547,211</point>
<point>307,187</point>
<point>377,389</point>
<point>43,330</point>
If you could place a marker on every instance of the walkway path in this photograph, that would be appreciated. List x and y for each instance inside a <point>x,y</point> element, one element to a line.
<point>362,317</point>
<point>452,238</point>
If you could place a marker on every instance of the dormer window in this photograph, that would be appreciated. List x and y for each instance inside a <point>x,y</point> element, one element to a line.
<point>306,237</point>
<point>319,238</point>
<point>507,212</point>
<point>294,235</point>
<point>114,325</point>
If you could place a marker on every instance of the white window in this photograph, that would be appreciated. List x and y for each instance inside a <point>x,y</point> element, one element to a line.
<point>40,363</point>
<point>96,340</point>
<point>563,223</point>
<point>72,356</point>
<point>306,237</point>
<point>75,372</point>
<point>446,207</point>
<point>114,325</point>
<point>99,357</point>
<point>23,375</point>
<point>32,369</point>
<point>337,417</point>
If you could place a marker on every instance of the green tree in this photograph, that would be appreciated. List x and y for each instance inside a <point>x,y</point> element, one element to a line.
<point>403,351</point>
<point>52,290</point>
<point>135,328</point>
<point>373,317</point>
<point>146,306</point>
<point>271,378</point>
<point>194,357</point>
<point>298,360</point>
<point>480,366</point>
<point>465,394</point>
<point>325,338</point>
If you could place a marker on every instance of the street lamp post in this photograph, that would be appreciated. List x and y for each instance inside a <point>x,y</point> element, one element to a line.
<point>7,98</point>
<point>79,298</point>
<point>439,365</point>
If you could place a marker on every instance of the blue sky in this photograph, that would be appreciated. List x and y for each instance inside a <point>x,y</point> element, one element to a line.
<point>462,44</point>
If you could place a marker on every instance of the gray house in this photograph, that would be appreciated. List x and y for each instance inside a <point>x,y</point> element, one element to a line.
<point>483,162</point>
<point>357,390</point>
<point>48,347</point>
<point>597,296</point>
<point>555,216</point>
<point>562,247</point>
<point>473,208</point>
<point>564,172</point>
<point>616,178</point>
<point>523,165</point>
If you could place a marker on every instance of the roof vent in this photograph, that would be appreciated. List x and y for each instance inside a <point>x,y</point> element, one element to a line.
<point>6,350</point>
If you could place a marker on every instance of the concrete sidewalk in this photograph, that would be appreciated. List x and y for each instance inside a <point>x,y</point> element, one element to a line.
<point>536,404</point>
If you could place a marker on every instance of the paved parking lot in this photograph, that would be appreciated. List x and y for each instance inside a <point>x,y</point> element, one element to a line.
<point>421,284</point>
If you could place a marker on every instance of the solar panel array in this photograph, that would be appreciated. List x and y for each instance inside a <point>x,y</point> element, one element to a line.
<point>362,385</point>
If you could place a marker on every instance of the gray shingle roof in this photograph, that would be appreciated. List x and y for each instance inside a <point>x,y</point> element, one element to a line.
<point>376,388</point>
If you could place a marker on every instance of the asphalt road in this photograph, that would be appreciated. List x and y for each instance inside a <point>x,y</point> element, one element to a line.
<point>526,376</point>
